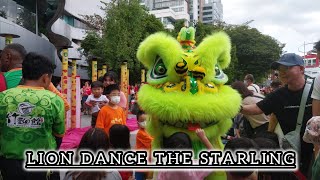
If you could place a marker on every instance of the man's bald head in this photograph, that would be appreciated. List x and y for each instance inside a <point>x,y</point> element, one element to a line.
<point>12,57</point>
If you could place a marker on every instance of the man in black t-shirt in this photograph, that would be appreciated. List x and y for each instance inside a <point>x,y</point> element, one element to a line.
<point>285,102</point>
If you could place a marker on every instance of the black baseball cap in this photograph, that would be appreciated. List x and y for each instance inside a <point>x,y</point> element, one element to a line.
<point>289,59</point>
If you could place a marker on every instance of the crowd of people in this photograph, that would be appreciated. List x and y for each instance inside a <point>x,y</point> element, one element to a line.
<point>27,93</point>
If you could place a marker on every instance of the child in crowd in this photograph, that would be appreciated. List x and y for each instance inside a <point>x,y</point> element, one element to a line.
<point>241,143</point>
<point>111,113</point>
<point>85,92</point>
<point>312,135</point>
<point>120,139</point>
<point>96,100</point>
<point>181,140</point>
<point>143,142</point>
<point>111,78</point>
<point>94,139</point>
<point>143,139</point>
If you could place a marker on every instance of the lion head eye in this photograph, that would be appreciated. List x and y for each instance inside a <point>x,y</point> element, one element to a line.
<point>217,70</point>
<point>159,69</point>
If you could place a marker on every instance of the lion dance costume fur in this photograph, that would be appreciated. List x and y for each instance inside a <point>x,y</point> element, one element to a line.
<point>185,89</point>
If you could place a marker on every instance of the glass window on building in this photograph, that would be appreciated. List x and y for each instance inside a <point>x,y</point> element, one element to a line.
<point>207,7</point>
<point>207,13</point>
<point>167,21</point>
<point>68,19</point>
<point>20,12</point>
<point>314,61</point>
<point>207,18</point>
<point>179,9</point>
<point>79,24</point>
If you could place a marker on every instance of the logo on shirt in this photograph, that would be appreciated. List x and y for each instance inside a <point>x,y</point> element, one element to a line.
<point>25,108</point>
<point>116,121</point>
<point>21,118</point>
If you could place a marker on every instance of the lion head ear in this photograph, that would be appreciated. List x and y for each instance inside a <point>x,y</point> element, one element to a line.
<point>160,53</point>
<point>215,49</point>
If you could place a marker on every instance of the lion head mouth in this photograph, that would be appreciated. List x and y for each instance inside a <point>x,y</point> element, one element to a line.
<point>189,125</point>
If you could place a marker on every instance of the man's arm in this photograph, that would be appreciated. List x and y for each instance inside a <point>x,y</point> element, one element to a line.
<point>316,97</point>
<point>315,107</point>
<point>251,109</point>
<point>53,89</point>
<point>273,121</point>
<point>58,128</point>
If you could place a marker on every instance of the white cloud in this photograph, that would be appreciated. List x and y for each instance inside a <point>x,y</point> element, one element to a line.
<point>292,22</point>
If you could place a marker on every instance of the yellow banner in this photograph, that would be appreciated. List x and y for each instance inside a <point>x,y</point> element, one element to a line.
<point>94,70</point>
<point>64,76</point>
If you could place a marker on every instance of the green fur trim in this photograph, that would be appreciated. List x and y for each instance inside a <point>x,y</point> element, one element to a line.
<point>183,106</point>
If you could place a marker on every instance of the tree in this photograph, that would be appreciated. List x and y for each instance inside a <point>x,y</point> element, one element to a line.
<point>3,14</point>
<point>126,24</point>
<point>90,44</point>
<point>27,20</point>
<point>232,71</point>
<point>254,50</point>
<point>94,21</point>
<point>177,26</point>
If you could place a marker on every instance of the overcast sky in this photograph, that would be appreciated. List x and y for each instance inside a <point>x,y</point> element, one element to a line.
<point>292,22</point>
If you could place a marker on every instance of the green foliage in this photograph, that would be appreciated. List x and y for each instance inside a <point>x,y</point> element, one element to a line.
<point>232,71</point>
<point>177,26</point>
<point>3,14</point>
<point>255,51</point>
<point>27,20</point>
<point>90,44</point>
<point>126,24</point>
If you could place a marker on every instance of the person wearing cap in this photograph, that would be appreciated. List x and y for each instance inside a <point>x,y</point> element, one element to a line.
<point>285,102</point>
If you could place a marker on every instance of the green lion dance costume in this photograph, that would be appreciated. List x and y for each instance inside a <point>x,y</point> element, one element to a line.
<point>185,89</point>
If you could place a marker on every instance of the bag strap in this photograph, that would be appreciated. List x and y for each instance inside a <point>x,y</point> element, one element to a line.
<point>259,97</point>
<point>254,88</point>
<point>304,98</point>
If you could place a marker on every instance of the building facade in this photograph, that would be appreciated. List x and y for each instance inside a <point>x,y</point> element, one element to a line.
<point>45,26</point>
<point>169,11</point>
<point>205,11</point>
<point>211,11</point>
<point>311,64</point>
<point>191,11</point>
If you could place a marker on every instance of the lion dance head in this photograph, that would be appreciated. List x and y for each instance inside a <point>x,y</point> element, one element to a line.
<point>186,86</point>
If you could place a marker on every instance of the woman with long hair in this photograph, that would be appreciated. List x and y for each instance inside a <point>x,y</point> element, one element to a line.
<point>256,123</point>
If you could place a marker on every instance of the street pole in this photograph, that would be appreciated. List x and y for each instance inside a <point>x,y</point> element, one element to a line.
<point>37,30</point>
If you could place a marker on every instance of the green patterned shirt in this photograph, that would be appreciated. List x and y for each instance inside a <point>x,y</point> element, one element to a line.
<point>29,119</point>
